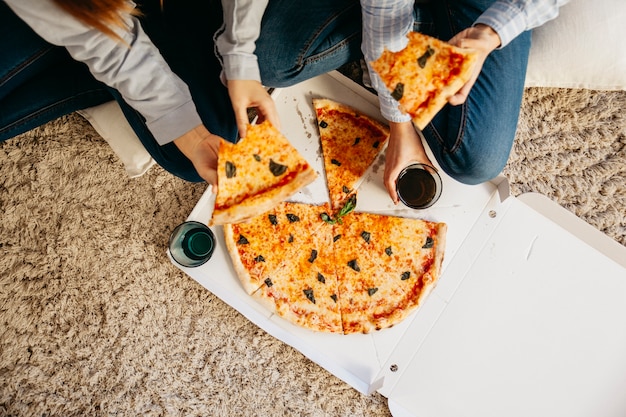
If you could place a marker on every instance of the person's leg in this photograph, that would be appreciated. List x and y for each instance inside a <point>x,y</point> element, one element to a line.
<point>472,141</point>
<point>38,81</point>
<point>300,40</point>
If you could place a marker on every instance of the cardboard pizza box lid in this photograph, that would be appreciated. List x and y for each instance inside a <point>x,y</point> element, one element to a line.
<point>529,316</point>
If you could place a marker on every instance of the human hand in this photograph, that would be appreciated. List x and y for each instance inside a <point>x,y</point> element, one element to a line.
<point>481,38</point>
<point>404,147</point>
<point>201,147</point>
<point>249,93</point>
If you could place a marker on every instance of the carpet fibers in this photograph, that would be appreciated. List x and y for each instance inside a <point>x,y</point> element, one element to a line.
<point>95,320</point>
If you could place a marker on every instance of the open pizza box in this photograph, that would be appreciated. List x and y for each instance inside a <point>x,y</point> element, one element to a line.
<point>528,317</point>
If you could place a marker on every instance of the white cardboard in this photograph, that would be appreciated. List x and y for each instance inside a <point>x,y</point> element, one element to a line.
<point>482,343</point>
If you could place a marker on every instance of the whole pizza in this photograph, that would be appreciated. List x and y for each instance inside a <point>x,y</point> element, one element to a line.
<point>326,267</point>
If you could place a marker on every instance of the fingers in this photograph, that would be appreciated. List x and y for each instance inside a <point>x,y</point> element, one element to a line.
<point>245,94</point>
<point>241,118</point>
<point>389,178</point>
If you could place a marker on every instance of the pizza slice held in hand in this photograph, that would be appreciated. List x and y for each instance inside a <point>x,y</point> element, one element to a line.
<point>424,75</point>
<point>256,174</point>
<point>350,141</point>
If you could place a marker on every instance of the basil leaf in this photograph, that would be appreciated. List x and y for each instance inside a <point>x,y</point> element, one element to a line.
<point>231,169</point>
<point>398,92</point>
<point>292,218</point>
<point>277,169</point>
<point>325,217</point>
<point>309,295</point>
<point>354,265</point>
<point>421,61</point>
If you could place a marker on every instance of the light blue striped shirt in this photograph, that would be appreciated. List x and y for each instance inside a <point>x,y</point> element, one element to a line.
<point>386,23</point>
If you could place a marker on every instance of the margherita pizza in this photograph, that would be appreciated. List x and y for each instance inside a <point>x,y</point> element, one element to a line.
<point>257,173</point>
<point>424,75</point>
<point>350,141</point>
<point>351,274</point>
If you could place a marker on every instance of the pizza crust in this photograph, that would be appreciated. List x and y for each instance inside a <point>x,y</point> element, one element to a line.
<point>261,203</point>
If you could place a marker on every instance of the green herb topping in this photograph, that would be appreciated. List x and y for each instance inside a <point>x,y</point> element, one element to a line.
<point>231,169</point>
<point>398,92</point>
<point>309,295</point>
<point>421,61</point>
<point>277,169</point>
<point>354,265</point>
<point>345,210</point>
<point>292,218</point>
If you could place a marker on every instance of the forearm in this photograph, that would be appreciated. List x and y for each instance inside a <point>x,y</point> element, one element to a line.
<point>135,68</point>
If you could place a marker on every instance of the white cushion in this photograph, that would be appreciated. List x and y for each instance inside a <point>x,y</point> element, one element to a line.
<point>582,48</point>
<point>109,121</point>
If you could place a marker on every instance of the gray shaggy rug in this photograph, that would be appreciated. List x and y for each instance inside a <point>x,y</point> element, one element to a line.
<point>95,320</point>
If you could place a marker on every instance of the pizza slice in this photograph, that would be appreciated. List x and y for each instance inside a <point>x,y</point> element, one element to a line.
<point>260,245</point>
<point>257,173</point>
<point>303,290</point>
<point>386,267</point>
<point>350,141</point>
<point>424,75</point>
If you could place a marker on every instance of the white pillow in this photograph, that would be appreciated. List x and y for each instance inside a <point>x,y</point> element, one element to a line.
<point>585,47</point>
<point>109,121</point>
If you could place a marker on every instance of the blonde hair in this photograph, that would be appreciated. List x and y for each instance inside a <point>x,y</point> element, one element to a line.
<point>104,15</point>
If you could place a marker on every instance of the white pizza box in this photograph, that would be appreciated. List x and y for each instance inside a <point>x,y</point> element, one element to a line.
<point>528,317</point>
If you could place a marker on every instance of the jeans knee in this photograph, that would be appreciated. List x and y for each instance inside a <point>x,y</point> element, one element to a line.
<point>473,172</point>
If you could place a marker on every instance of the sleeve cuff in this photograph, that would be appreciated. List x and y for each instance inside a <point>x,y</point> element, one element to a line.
<point>175,124</point>
<point>241,67</point>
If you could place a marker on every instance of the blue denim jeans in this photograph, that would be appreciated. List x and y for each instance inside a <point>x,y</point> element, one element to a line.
<point>40,82</point>
<point>299,40</point>
<point>472,142</point>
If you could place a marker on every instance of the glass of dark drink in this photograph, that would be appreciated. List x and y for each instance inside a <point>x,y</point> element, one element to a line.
<point>418,186</point>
